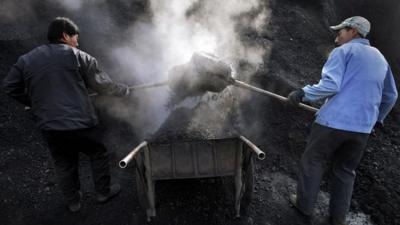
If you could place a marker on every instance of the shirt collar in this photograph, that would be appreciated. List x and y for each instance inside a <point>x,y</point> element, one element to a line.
<point>361,41</point>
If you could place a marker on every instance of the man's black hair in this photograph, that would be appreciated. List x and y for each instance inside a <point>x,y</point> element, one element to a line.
<point>60,25</point>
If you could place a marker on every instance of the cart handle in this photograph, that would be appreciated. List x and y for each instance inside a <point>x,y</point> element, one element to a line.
<point>260,154</point>
<point>125,161</point>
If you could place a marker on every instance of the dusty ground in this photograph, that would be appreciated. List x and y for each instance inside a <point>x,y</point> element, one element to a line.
<point>29,193</point>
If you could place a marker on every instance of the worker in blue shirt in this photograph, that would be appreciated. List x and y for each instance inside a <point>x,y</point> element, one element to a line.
<point>359,91</point>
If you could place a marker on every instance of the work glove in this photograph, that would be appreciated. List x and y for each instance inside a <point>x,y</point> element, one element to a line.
<point>295,97</point>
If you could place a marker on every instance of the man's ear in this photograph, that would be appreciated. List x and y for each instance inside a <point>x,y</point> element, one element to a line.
<point>355,32</point>
<point>64,37</point>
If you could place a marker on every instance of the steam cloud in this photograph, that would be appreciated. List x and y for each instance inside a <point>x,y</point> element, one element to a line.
<point>178,29</point>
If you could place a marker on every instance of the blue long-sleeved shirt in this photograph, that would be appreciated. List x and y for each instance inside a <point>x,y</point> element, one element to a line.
<point>358,86</point>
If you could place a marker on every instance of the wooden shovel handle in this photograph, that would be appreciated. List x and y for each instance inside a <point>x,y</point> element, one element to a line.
<point>151,85</point>
<point>259,90</point>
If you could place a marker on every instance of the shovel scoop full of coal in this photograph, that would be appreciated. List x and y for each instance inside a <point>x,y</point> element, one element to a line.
<point>204,72</point>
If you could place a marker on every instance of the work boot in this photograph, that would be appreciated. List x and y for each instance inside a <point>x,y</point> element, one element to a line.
<point>338,221</point>
<point>293,201</point>
<point>114,191</point>
<point>75,206</point>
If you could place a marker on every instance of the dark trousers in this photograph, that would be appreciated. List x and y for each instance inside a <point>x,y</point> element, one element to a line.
<point>343,150</point>
<point>65,147</point>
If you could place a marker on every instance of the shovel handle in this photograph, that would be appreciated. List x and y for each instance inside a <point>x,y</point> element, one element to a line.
<point>259,90</point>
<point>151,85</point>
<point>140,86</point>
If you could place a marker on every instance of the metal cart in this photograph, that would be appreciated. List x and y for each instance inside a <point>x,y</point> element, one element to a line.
<point>194,159</point>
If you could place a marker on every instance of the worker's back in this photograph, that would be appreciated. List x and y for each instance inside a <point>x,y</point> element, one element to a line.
<point>56,89</point>
<point>366,74</point>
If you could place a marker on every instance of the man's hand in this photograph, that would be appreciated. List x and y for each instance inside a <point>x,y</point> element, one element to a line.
<point>294,98</point>
<point>120,90</point>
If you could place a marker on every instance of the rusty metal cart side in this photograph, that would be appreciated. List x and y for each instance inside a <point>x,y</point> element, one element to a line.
<point>194,159</point>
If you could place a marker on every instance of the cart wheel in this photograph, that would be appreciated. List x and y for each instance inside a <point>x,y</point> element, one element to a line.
<point>249,187</point>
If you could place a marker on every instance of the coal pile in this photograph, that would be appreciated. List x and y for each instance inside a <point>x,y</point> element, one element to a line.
<point>199,123</point>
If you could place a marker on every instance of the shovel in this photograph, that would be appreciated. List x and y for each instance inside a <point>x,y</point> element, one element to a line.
<point>205,72</point>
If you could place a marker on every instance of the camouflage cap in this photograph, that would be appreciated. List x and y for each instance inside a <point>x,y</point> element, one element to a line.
<point>359,23</point>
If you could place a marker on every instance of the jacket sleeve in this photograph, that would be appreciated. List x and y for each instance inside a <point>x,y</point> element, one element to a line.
<point>331,78</point>
<point>13,83</point>
<point>389,96</point>
<point>98,80</point>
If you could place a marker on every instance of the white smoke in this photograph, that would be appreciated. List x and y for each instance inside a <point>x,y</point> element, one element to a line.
<point>75,5</point>
<point>212,28</point>
<point>179,28</point>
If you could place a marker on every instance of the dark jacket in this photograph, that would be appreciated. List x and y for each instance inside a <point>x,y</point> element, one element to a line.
<point>54,80</point>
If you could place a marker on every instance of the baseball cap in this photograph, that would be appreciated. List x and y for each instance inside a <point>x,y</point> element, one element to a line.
<point>359,23</point>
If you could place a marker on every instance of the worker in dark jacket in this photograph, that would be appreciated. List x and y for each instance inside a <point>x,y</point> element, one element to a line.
<point>359,91</point>
<point>53,79</point>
